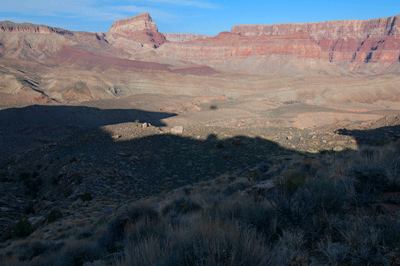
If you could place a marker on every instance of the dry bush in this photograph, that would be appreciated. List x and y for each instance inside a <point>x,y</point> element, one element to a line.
<point>327,194</point>
<point>76,253</point>
<point>362,238</point>
<point>258,215</point>
<point>199,243</point>
<point>181,206</point>
<point>290,249</point>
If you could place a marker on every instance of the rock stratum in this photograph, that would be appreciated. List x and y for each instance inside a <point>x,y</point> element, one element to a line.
<point>45,64</point>
<point>357,45</point>
<point>184,37</point>
<point>134,33</point>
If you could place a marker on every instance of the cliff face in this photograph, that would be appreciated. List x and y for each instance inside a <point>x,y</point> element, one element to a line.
<point>357,42</point>
<point>234,52</point>
<point>11,27</point>
<point>228,45</point>
<point>139,22</point>
<point>184,37</point>
<point>37,42</point>
<point>133,33</point>
<point>371,46</point>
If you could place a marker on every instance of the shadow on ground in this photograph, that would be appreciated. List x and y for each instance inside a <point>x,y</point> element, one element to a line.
<point>78,146</point>
<point>373,137</point>
<point>23,128</point>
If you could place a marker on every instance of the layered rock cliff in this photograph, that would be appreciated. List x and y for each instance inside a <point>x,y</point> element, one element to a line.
<point>37,42</point>
<point>335,47</point>
<point>183,37</point>
<point>134,33</point>
<point>234,52</point>
<point>355,44</point>
<point>11,27</point>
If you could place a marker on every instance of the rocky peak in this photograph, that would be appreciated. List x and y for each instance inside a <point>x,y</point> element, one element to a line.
<point>128,25</point>
<point>135,33</point>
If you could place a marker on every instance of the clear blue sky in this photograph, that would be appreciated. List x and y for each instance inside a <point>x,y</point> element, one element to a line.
<point>190,16</point>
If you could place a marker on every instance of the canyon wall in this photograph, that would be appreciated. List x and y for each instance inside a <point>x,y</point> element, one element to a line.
<point>333,47</point>
<point>184,37</point>
<point>356,44</point>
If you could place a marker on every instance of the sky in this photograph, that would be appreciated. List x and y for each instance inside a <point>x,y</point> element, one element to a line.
<point>190,16</point>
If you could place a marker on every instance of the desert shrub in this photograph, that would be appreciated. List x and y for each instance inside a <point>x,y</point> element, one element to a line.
<point>250,214</point>
<point>264,167</point>
<point>67,192</point>
<point>334,253</point>
<point>84,234</point>
<point>31,182</point>
<point>290,182</point>
<point>54,181</point>
<point>33,249</point>
<point>136,212</point>
<point>112,238</point>
<point>86,197</point>
<point>29,208</point>
<point>77,253</point>
<point>187,191</point>
<point>389,232</point>
<point>5,178</point>
<point>145,229</point>
<point>362,239</point>
<point>293,208</point>
<point>13,262</point>
<point>54,215</point>
<point>22,229</point>
<point>144,223</point>
<point>370,179</point>
<point>326,194</point>
<point>233,188</point>
<point>368,153</point>
<point>181,206</point>
<point>290,248</point>
<point>207,243</point>
<point>254,176</point>
<point>24,176</point>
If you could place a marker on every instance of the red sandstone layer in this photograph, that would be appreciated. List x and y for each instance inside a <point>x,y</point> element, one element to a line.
<point>355,41</point>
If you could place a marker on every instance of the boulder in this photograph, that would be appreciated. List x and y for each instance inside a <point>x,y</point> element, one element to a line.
<point>177,130</point>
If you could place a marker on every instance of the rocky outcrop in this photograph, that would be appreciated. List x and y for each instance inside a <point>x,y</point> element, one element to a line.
<point>360,44</point>
<point>184,37</point>
<point>134,33</point>
<point>11,27</point>
<point>38,42</point>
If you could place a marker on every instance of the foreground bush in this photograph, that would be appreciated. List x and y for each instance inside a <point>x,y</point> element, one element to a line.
<point>79,252</point>
<point>204,243</point>
<point>22,229</point>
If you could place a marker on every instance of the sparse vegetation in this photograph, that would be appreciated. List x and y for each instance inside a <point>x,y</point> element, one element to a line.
<point>54,215</point>
<point>319,211</point>
<point>22,229</point>
<point>86,197</point>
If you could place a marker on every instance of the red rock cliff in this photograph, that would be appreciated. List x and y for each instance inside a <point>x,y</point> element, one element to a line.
<point>184,37</point>
<point>355,41</point>
<point>135,32</point>
<point>231,46</point>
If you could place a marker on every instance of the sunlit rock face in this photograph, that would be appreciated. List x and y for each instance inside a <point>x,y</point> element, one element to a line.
<point>134,33</point>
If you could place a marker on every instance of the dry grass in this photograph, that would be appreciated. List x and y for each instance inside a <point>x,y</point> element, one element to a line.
<point>319,213</point>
